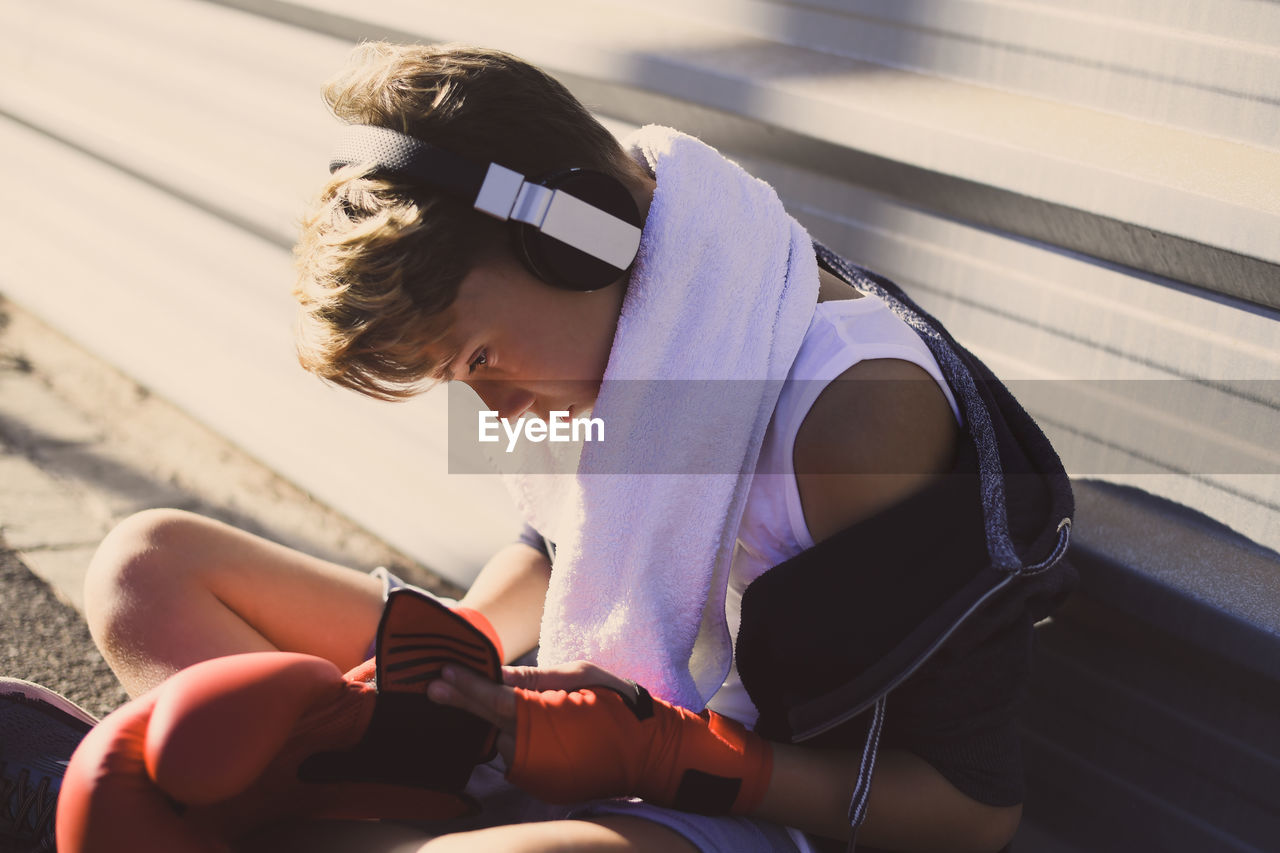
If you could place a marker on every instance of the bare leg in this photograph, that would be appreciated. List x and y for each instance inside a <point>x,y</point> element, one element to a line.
<point>608,834</point>
<point>611,834</point>
<point>168,588</point>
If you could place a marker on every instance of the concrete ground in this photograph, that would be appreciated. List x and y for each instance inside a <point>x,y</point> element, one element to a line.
<point>82,447</point>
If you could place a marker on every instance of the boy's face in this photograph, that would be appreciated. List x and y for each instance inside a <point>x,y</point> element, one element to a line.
<point>527,347</point>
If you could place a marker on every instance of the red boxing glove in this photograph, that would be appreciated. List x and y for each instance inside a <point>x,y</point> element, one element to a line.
<point>232,743</point>
<point>597,742</point>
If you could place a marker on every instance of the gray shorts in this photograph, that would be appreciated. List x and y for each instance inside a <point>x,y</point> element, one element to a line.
<point>502,803</point>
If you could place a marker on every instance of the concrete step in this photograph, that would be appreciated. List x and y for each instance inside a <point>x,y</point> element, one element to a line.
<point>745,89</point>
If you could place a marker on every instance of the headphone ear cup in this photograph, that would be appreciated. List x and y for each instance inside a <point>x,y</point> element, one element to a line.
<point>560,264</point>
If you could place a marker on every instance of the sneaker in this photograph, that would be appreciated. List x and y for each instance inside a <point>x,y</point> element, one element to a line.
<point>38,732</point>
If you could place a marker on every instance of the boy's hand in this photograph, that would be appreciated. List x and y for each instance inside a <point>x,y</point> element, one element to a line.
<point>578,732</point>
<point>496,703</point>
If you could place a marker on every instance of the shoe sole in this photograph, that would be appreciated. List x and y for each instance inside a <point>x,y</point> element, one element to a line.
<point>32,692</point>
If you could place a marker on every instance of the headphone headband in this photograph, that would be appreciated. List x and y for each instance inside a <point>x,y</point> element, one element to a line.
<point>496,191</point>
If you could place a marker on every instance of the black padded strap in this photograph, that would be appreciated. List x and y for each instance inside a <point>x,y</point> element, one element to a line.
<point>409,158</point>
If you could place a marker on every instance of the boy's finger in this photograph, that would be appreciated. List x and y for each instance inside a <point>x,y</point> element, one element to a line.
<point>463,689</point>
<point>520,676</point>
<point>568,676</point>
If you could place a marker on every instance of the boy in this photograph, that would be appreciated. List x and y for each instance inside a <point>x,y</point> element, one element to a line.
<point>893,525</point>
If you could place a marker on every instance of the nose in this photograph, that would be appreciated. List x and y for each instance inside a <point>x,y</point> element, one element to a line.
<point>508,401</point>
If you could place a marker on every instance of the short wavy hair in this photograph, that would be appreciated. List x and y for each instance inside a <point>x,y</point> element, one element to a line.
<point>379,261</point>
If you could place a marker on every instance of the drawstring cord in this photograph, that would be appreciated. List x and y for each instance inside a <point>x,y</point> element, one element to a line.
<point>862,790</point>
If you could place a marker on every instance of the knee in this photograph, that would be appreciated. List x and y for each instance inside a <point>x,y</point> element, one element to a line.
<point>509,839</point>
<point>1000,827</point>
<point>142,555</point>
<point>987,829</point>
<point>456,842</point>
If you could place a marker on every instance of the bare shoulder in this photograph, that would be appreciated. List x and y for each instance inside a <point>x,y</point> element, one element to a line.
<point>876,434</point>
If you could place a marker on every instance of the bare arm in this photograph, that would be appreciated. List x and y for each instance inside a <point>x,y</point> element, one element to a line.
<point>879,433</point>
<point>510,591</point>
<point>912,807</point>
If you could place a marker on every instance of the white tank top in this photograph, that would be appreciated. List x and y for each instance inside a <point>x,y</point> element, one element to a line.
<point>841,334</point>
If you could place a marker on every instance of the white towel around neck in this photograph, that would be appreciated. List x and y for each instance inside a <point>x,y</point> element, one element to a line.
<point>724,288</point>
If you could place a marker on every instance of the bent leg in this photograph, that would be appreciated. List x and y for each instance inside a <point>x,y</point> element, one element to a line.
<point>611,834</point>
<point>168,588</point>
<point>603,834</point>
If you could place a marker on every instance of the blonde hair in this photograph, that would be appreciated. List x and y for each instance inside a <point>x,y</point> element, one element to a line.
<point>379,261</point>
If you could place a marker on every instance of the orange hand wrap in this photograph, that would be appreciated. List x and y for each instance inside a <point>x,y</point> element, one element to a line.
<point>597,743</point>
